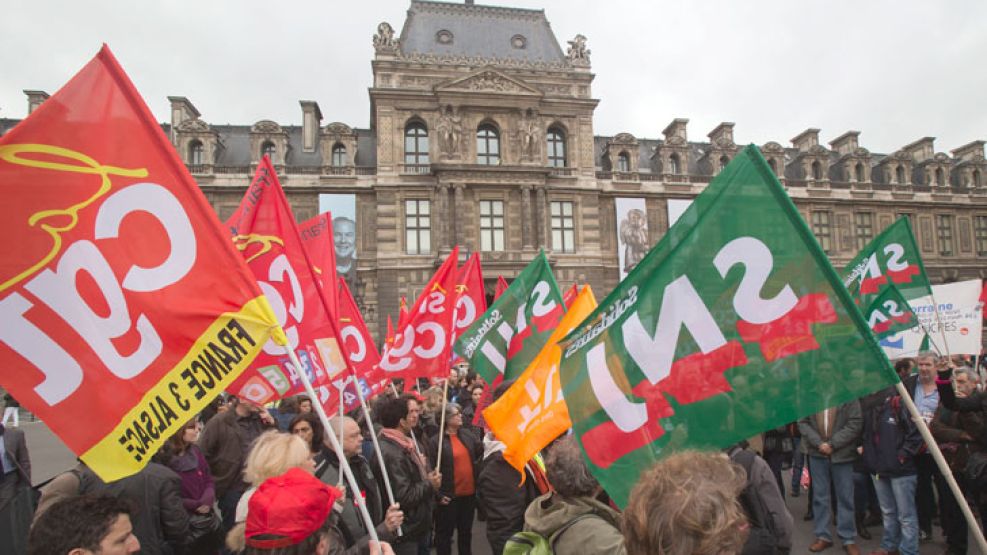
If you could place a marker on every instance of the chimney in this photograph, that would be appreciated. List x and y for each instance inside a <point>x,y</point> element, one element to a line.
<point>34,99</point>
<point>806,139</point>
<point>182,110</point>
<point>311,118</point>
<point>723,131</point>
<point>677,129</point>
<point>845,143</point>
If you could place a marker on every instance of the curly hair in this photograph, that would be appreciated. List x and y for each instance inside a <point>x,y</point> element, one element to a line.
<point>272,454</point>
<point>687,504</point>
<point>567,471</point>
<point>76,522</point>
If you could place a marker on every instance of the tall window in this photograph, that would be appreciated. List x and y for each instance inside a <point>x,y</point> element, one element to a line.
<point>911,219</point>
<point>417,226</point>
<point>859,171</point>
<point>822,230</point>
<point>864,224</point>
<point>773,165</point>
<point>487,145</point>
<point>899,174</point>
<point>491,225</point>
<point>338,155</point>
<point>817,171</point>
<point>724,160</point>
<point>674,165</point>
<point>940,177</point>
<point>415,144</point>
<point>980,234</point>
<point>555,142</point>
<point>563,227</point>
<point>267,149</point>
<point>195,153</point>
<point>623,162</point>
<point>944,230</point>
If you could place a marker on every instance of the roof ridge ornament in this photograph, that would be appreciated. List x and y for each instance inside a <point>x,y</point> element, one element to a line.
<point>384,41</point>
<point>577,52</point>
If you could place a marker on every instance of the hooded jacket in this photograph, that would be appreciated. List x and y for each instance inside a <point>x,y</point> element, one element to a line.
<point>599,532</point>
<point>500,496</point>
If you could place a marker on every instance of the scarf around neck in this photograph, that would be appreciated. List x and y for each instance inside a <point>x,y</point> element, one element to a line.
<point>408,445</point>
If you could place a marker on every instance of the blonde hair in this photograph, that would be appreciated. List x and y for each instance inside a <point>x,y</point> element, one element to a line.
<point>687,504</point>
<point>433,399</point>
<point>272,454</point>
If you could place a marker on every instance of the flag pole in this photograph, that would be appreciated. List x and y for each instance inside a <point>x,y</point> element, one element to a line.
<point>442,424</point>
<point>344,465</point>
<point>342,414</point>
<point>942,329</point>
<point>930,441</point>
<point>373,439</point>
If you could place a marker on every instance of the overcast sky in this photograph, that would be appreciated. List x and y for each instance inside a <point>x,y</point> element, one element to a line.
<point>897,71</point>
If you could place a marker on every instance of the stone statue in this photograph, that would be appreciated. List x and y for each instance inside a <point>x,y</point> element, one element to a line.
<point>450,131</point>
<point>384,41</point>
<point>578,53</point>
<point>529,133</point>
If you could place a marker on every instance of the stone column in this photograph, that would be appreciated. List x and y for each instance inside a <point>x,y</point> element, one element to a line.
<point>458,216</point>
<point>443,213</point>
<point>540,211</point>
<point>526,218</point>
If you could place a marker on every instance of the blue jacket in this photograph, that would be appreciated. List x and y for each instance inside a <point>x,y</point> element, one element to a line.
<point>891,440</point>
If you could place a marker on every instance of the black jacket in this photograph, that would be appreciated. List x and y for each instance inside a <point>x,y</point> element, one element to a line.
<point>160,518</point>
<point>472,444</point>
<point>503,500</point>
<point>350,523</point>
<point>891,440</point>
<point>412,490</point>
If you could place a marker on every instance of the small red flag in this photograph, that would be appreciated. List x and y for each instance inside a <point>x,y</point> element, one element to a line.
<point>502,286</point>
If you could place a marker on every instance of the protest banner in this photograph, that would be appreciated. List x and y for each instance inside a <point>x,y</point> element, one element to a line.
<point>955,326</point>
<point>532,412</point>
<point>731,325</point>
<point>264,231</point>
<point>421,347</point>
<point>126,309</point>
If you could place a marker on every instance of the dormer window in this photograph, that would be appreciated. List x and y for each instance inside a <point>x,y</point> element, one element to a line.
<point>724,160</point>
<point>816,170</point>
<point>268,149</point>
<point>859,172</point>
<point>196,156</point>
<point>338,155</point>
<point>623,162</point>
<point>940,179</point>
<point>899,174</point>
<point>674,165</point>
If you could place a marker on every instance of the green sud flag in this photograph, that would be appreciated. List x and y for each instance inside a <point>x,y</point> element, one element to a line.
<point>510,334</point>
<point>733,324</point>
<point>891,257</point>
<point>889,313</point>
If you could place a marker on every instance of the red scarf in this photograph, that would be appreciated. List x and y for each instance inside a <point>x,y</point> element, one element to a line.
<point>408,445</point>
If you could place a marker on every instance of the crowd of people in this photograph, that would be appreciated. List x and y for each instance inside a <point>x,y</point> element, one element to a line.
<point>243,478</point>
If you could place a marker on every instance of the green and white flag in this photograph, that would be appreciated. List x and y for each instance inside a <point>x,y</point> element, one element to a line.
<point>733,324</point>
<point>891,257</point>
<point>509,335</point>
<point>889,313</point>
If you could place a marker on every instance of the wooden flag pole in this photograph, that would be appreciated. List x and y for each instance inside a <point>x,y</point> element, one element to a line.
<point>342,414</point>
<point>344,465</point>
<point>930,441</point>
<point>442,425</point>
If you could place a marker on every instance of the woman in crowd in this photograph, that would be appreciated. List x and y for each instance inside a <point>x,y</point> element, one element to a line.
<point>470,404</point>
<point>198,491</point>
<point>461,455</point>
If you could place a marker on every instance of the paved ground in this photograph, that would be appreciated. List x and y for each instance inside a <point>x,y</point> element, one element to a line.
<point>49,457</point>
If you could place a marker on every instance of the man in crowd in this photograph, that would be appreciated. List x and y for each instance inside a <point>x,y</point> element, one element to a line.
<point>926,398</point>
<point>225,443</point>
<point>501,495</point>
<point>85,525</point>
<point>413,484</point>
<point>15,486</point>
<point>830,439</point>
<point>891,441</point>
<point>959,434</point>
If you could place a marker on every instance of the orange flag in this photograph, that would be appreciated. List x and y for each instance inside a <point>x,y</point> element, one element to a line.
<point>124,307</point>
<point>532,412</point>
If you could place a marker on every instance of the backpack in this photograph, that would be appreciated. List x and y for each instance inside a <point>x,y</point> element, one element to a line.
<point>533,543</point>
<point>763,538</point>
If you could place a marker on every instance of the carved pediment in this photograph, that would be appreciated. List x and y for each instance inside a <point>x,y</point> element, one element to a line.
<point>773,148</point>
<point>818,150</point>
<point>488,80</point>
<point>193,126</point>
<point>861,152</point>
<point>337,128</point>
<point>623,139</point>
<point>941,158</point>
<point>675,140</point>
<point>266,126</point>
<point>724,143</point>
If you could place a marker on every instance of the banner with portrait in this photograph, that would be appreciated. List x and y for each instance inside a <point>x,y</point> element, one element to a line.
<point>343,209</point>
<point>632,233</point>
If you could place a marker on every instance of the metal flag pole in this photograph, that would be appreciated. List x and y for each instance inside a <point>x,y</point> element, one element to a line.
<point>342,413</point>
<point>442,424</point>
<point>930,441</point>
<point>373,439</point>
<point>344,465</point>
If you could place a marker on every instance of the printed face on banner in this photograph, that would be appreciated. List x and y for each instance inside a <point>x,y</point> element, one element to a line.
<point>343,208</point>
<point>632,232</point>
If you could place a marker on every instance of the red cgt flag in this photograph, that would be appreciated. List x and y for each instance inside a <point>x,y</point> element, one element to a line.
<point>471,300</point>
<point>264,231</point>
<point>360,348</point>
<point>317,238</point>
<point>402,313</point>
<point>125,309</point>
<point>502,286</point>
<point>422,346</point>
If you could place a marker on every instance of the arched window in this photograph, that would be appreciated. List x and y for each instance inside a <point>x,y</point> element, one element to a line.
<point>940,179</point>
<point>816,170</point>
<point>487,145</point>
<point>773,165</point>
<point>555,143</point>
<point>674,165</point>
<point>267,149</point>
<point>899,174</point>
<point>859,172</point>
<point>338,155</point>
<point>623,162</point>
<point>724,160</point>
<point>415,143</point>
<point>196,153</point>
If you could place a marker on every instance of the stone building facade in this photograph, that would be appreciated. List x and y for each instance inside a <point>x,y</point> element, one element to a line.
<point>481,135</point>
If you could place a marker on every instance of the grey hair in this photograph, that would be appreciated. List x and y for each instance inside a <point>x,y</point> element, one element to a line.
<point>968,372</point>
<point>567,470</point>
<point>335,422</point>
<point>928,354</point>
<point>452,407</point>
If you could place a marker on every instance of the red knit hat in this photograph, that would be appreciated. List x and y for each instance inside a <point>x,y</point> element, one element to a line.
<point>292,506</point>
